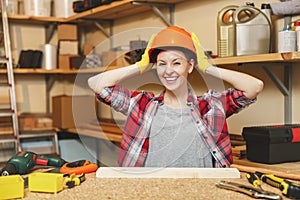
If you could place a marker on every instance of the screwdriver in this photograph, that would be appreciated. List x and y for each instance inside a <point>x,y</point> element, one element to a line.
<point>254,180</point>
<point>288,188</point>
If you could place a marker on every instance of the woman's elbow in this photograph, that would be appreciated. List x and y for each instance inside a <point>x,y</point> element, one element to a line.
<point>92,83</point>
<point>256,89</point>
<point>259,87</point>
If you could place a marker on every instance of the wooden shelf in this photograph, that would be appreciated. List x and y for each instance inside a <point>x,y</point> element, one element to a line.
<point>59,71</point>
<point>114,10</point>
<point>35,20</point>
<point>271,57</point>
<point>261,58</point>
<point>100,130</point>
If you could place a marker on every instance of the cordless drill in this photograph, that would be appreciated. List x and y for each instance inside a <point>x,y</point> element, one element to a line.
<point>24,161</point>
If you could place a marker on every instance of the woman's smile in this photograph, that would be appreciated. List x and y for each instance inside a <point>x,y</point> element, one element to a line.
<point>172,69</point>
<point>171,79</point>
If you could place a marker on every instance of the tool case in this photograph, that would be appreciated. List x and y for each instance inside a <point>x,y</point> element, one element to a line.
<point>83,5</point>
<point>272,144</point>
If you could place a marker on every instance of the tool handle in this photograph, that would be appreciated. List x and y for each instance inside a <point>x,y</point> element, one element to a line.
<point>253,179</point>
<point>272,180</point>
<point>290,189</point>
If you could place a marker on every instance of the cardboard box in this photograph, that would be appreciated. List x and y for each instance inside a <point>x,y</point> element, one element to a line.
<point>64,62</point>
<point>114,58</point>
<point>77,62</point>
<point>34,120</point>
<point>67,32</point>
<point>68,47</point>
<point>88,49</point>
<point>71,111</point>
<point>70,61</point>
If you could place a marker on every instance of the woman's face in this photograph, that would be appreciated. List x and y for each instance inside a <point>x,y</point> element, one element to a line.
<point>173,69</point>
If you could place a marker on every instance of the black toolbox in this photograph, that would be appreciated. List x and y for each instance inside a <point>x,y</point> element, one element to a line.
<point>273,144</point>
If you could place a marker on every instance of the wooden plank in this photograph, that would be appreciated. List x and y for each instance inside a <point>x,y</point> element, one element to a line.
<point>105,128</point>
<point>93,12</point>
<point>248,59</point>
<point>35,20</point>
<point>96,134</point>
<point>289,170</point>
<point>271,57</point>
<point>144,172</point>
<point>59,71</point>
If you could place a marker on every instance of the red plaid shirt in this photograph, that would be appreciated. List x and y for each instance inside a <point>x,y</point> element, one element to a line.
<point>209,113</point>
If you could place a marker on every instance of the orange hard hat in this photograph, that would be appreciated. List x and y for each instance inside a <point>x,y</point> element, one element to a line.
<point>172,36</point>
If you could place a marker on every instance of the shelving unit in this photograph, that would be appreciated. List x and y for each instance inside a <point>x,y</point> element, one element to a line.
<point>123,8</point>
<point>104,13</point>
<point>108,13</point>
<point>115,10</point>
<point>285,86</point>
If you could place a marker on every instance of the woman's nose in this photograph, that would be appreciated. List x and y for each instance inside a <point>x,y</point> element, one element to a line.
<point>169,69</point>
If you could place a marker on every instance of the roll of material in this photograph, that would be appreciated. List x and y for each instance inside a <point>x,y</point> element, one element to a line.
<point>286,41</point>
<point>286,8</point>
<point>298,40</point>
<point>63,8</point>
<point>49,56</point>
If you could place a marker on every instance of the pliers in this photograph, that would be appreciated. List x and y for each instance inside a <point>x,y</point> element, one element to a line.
<point>254,192</point>
<point>73,180</point>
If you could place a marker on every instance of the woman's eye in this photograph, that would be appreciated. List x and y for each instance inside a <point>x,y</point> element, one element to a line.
<point>161,64</point>
<point>177,63</point>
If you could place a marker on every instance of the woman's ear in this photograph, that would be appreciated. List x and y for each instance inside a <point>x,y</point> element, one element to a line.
<point>191,65</point>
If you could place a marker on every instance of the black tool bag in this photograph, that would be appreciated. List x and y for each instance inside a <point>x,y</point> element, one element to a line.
<point>80,6</point>
<point>30,59</point>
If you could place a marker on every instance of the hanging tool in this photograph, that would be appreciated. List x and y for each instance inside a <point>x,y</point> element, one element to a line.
<point>74,180</point>
<point>249,190</point>
<point>78,167</point>
<point>288,188</point>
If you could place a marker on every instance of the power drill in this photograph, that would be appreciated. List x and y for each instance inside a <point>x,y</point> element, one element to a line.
<point>24,161</point>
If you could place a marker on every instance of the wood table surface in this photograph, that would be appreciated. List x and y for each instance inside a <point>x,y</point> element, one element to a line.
<point>148,188</point>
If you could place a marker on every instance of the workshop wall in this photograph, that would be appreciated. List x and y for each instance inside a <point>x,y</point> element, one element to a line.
<point>196,16</point>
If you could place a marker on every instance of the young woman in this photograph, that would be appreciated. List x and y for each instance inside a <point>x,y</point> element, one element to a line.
<point>176,128</point>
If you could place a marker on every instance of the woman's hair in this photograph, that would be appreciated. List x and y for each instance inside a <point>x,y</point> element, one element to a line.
<point>188,54</point>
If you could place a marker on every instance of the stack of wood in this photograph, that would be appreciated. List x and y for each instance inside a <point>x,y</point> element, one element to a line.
<point>6,125</point>
<point>239,152</point>
<point>238,146</point>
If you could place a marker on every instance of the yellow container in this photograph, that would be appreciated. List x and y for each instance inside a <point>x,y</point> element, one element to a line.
<point>11,187</point>
<point>45,182</point>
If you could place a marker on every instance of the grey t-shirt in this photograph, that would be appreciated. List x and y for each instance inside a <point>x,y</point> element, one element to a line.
<point>175,142</point>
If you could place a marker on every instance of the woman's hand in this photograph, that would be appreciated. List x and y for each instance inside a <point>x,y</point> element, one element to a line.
<point>202,59</point>
<point>144,64</point>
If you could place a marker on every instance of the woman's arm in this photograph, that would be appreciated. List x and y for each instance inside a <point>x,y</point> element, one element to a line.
<point>250,85</point>
<point>99,82</point>
<point>110,78</point>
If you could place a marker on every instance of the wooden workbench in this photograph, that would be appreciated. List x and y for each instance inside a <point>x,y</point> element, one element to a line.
<point>101,188</point>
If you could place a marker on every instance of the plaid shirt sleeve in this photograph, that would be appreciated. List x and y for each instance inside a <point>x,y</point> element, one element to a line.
<point>235,101</point>
<point>116,97</point>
